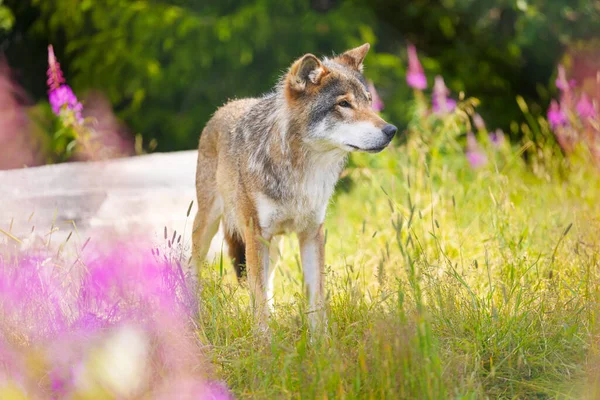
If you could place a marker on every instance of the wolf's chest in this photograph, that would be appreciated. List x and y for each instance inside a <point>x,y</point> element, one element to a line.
<point>304,210</point>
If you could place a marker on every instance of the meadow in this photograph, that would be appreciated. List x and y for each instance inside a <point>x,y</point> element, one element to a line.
<point>444,281</point>
<point>459,264</point>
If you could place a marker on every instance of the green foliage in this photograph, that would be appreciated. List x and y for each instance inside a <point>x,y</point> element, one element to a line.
<point>494,49</point>
<point>168,67</point>
<point>168,64</point>
<point>7,18</point>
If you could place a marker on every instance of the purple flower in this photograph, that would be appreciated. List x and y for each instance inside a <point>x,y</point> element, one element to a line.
<point>475,156</point>
<point>60,95</point>
<point>585,108</point>
<point>561,81</point>
<point>90,311</point>
<point>218,391</point>
<point>64,96</point>
<point>415,76</point>
<point>440,102</point>
<point>441,108</point>
<point>476,159</point>
<point>478,122</point>
<point>55,75</point>
<point>377,103</point>
<point>497,137</point>
<point>556,116</point>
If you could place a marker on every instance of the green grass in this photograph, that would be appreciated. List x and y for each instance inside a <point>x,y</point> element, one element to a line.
<point>442,282</point>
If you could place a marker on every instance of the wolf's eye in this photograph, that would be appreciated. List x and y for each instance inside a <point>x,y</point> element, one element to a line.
<point>344,104</point>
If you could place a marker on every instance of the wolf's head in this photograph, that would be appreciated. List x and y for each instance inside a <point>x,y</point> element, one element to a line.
<point>330,99</point>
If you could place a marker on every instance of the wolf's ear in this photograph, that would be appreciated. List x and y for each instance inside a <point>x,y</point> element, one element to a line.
<point>354,58</point>
<point>307,69</point>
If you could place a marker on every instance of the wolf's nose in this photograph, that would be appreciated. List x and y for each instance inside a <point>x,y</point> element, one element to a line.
<point>389,130</point>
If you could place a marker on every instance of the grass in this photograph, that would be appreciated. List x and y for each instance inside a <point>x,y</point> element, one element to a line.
<point>443,282</point>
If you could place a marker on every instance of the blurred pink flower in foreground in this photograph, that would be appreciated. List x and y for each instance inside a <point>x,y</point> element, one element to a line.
<point>18,148</point>
<point>415,77</point>
<point>376,103</point>
<point>113,323</point>
<point>440,102</point>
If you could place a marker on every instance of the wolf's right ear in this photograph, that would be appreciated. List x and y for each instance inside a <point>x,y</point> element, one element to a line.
<point>307,70</point>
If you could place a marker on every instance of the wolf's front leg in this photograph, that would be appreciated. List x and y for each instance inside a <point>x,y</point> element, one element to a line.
<point>312,251</point>
<point>257,263</point>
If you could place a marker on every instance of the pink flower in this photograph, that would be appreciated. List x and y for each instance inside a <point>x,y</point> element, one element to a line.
<point>415,77</point>
<point>71,316</point>
<point>478,122</point>
<point>556,116</point>
<point>476,159</point>
<point>561,81</point>
<point>377,103</point>
<point>585,108</point>
<point>440,102</point>
<point>497,137</point>
<point>64,96</point>
<point>60,95</point>
<point>55,75</point>
<point>475,156</point>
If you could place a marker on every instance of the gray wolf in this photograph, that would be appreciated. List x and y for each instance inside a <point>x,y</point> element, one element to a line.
<point>268,166</point>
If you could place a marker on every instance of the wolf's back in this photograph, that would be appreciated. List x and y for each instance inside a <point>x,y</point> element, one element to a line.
<point>223,123</point>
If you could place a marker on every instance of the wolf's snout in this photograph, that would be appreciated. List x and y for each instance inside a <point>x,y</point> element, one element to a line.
<point>389,130</point>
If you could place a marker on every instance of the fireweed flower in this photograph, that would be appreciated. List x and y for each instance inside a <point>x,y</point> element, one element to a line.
<point>60,95</point>
<point>556,117</point>
<point>561,81</point>
<point>55,75</point>
<point>440,102</point>
<point>478,122</point>
<point>475,156</point>
<point>585,108</point>
<point>565,86</point>
<point>415,77</point>
<point>376,103</point>
<point>120,321</point>
<point>497,137</point>
<point>64,96</point>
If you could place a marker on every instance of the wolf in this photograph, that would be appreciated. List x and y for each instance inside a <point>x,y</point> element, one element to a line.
<point>268,166</point>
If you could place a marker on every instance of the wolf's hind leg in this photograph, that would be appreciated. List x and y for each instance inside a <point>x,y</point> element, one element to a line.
<point>210,207</point>
<point>206,225</point>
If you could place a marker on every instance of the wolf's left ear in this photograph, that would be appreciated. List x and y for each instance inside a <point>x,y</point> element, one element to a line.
<point>306,70</point>
<point>354,58</point>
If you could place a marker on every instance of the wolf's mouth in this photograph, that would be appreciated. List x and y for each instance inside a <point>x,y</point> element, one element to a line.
<point>371,150</point>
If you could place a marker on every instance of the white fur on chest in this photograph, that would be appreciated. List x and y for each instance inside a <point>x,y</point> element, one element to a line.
<point>307,201</point>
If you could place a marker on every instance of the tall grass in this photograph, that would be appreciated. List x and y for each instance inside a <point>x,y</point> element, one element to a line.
<point>445,279</point>
<point>443,282</point>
